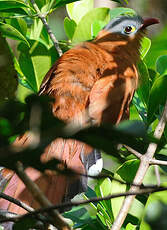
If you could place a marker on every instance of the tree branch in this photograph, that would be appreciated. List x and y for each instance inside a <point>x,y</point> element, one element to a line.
<point>94,199</point>
<point>17,202</point>
<point>44,21</point>
<point>158,162</point>
<point>143,167</point>
<point>137,154</point>
<point>38,195</point>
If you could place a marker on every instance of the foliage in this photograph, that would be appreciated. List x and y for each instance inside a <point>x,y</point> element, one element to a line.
<point>36,54</point>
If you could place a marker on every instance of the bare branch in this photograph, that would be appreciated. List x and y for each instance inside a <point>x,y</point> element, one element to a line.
<point>137,154</point>
<point>44,21</point>
<point>94,199</point>
<point>158,162</point>
<point>17,202</point>
<point>143,167</point>
<point>41,198</point>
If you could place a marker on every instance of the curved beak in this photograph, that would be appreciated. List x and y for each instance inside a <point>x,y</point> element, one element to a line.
<point>149,22</point>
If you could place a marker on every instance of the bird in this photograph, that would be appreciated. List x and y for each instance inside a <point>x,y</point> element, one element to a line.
<point>92,83</point>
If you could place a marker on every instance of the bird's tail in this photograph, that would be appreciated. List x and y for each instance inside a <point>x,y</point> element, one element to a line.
<point>57,187</point>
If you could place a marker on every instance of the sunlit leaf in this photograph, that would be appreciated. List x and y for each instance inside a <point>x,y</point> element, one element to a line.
<point>161,65</point>
<point>158,95</point>
<point>145,46</point>
<point>11,32</point>
<point>144,87</point>
<point>77,10</point>
<point>34,62</point>
<point>69,27</point>
<point>83,29</point>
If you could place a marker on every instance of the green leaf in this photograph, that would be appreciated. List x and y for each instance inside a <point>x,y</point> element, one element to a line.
<point>25,223</point>
<point>19,24</point>
<point>77,10</point>
<point>103,216</point>
<point>145,46</point>
<point>116,203</point>
<point>35,62</point>
<point>161,65</point>
<point>84,27</point>
<point>158,48</point>
<point>36,29</point>
<point>144,87</point>
<point>60,3</point>
<point>8,85</point>
<point>131,227</point>
<point>155,211</point>
<point>103,188</point>
<point>134,115</point>
<point>96,27</point>
<point>69,27</point>
<point>126,173</point>
<point>158,95</point>
<point>128,170</point>
<point>121,11</point>
<point>11,32</point>
<point>140,106</point>
<point>12,4</point>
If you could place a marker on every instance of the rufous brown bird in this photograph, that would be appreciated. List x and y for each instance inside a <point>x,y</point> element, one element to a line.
<point>93,83</point>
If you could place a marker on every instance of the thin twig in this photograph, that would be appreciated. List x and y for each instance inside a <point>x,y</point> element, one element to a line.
<point>143,167</point>
<point>44,21</point>
<point>94,199</point>
<point>38,195</point>
<point>17,202</point>
<point>158,162</point>
<point>137,154</point>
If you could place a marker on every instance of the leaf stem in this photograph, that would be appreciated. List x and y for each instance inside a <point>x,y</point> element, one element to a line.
<point>44,21</point>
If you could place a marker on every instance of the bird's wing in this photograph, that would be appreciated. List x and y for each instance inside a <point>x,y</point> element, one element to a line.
<point>69,82</point>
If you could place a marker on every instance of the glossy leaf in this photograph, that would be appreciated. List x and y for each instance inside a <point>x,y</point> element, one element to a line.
<point>131,227</point>
<point>121,11</point>
<point>35,62</point>
<point>77,10</point>
<point>145,46</point>
<point>158,95</point>
<point>12,4</point>
<point>69,27</point>
<point>144,87</point>
<point>103,216</point>
<point>96,27</point>
<point>11,32</point>
<point>116,203</point>
<point>59,3</point>
<point>103,188</point>
<point>83,29</point>
<point>36,29</point>
<point>19,24</point>
<point>161,65</point>
<point>126,173</point>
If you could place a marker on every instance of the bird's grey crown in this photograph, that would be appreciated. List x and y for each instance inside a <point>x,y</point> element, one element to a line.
<point>118,24</point>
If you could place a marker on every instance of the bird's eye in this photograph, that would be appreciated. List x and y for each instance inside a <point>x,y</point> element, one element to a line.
<point>129,29</point>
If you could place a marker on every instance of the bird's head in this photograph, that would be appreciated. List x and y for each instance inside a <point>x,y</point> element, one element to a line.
<point>129,25</point>
<point>124,32</point>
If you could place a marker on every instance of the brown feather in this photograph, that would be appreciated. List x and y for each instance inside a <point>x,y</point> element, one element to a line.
<point>94,81</point>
